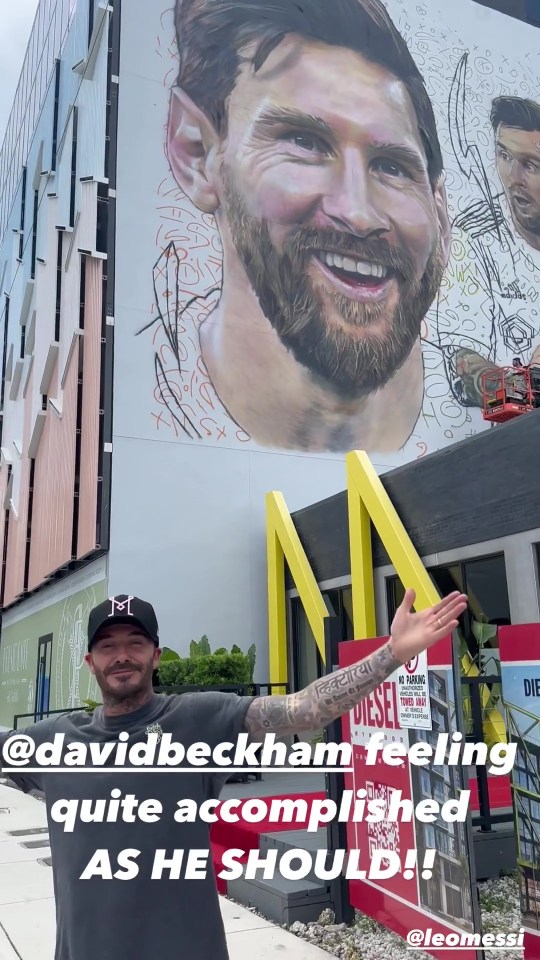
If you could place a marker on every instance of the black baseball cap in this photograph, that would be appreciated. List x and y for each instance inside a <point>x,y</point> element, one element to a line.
<point>123,609</point>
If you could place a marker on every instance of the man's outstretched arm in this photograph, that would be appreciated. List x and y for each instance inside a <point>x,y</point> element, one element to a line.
<point>328,698</point>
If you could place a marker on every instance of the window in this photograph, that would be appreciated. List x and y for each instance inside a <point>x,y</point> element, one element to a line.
<point>4,351</point>
<point>58,307</point>
<point>445,844</point>
<point>437,687</point>
<point>339,604</point>
<point>23,207</point>
<point>425,783</point>
<point>54,145</point>
<point>438,718</point>
<point>102,217</point>
<point>34,234</point>
<point>443,772</point>
<point>73,168</point>
<point>439,792</point>
<point>43,677</point>
<point>91,16</point>
<point>452,873</point>
<point>305,661</point>
<point>306,664</point>
<point>484,582</point>
<point>454,903</point>
<point>429,837</point>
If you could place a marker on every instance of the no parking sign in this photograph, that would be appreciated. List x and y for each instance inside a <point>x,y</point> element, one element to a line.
<point>412,694</point>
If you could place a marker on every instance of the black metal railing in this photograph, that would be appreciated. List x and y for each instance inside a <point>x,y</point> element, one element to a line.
<point>42,715</point>
<point>472,689</point>
<point>242,689</point>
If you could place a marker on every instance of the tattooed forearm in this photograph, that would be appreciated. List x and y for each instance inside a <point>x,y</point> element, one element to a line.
<point>324,700</point>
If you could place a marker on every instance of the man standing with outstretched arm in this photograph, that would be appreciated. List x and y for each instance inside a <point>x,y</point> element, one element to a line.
<point>107,915</point>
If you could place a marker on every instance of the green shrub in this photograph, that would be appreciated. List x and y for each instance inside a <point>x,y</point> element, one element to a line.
<point>204,668</point>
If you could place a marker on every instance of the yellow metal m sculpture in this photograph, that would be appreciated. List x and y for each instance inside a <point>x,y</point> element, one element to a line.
<point>368,503</point>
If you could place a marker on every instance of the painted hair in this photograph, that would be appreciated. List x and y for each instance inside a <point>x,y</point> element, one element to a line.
<point>515,112</point>
<point>212,37</point>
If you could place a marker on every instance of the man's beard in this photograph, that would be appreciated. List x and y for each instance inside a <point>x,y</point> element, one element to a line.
<point>139,681</point>
<point>352,367</point>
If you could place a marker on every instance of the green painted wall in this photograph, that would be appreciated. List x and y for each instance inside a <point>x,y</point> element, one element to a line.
<point>70,680</point>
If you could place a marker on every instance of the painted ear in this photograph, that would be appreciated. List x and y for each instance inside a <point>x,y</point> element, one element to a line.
<point>190,137</point>
<point>441,202</point>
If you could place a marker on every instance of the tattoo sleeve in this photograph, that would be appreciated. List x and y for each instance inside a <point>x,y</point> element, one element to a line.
<point>323,701</point>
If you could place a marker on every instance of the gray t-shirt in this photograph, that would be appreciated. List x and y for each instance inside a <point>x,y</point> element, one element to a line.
<point>140,918</point>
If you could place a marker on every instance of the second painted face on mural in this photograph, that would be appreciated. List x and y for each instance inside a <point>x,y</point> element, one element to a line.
<point>516,124</point>
<point>334,230</point>
<point>518,164</point>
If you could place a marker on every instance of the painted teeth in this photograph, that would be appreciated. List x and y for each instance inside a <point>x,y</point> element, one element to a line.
<point>361,267</point>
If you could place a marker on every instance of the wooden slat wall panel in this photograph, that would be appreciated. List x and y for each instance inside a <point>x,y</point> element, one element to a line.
<point>88,492</point>
<point>54,483</point>
<point>3,485</point>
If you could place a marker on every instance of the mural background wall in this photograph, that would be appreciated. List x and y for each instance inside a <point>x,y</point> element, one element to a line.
<point>62,610</point>
<point>197,444</point>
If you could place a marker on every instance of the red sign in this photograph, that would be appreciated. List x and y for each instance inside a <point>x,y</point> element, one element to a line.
<point>519,649</point>
<point>439,903</point>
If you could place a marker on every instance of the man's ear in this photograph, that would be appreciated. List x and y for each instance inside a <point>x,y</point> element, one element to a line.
<point>88,658</point>
<point>441,202</point>
<point>190,138</point>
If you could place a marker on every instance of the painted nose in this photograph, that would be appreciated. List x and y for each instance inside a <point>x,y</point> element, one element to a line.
<point>353,204</point>
<point>518,176</point>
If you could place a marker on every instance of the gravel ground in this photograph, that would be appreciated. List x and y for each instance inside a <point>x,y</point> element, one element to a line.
<point>367,940</point>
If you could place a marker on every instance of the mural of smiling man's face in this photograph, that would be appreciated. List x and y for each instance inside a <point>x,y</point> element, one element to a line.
<point>324,199</point>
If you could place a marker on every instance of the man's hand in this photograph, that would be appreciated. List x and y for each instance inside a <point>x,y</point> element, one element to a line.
<point>411,633</point>
<point>330,697</point>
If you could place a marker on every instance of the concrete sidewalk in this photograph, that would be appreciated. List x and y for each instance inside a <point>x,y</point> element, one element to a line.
<point>27,915</point>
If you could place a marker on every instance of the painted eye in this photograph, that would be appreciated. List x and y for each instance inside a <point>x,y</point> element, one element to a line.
<point>309,143</point>
<point>305,142</point>
<point>389,168</point>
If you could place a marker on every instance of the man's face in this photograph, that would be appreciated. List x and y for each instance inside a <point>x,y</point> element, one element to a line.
<point>123,659</point>
<point>326,201</point>
<point>518,165</point>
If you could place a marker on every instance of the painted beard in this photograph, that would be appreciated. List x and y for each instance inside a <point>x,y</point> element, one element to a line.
<point>351,366</point>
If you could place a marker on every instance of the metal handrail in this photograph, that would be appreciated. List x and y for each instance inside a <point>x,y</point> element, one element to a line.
<point>485,819</point>
<point>242,689</point>
<point>37,715</point>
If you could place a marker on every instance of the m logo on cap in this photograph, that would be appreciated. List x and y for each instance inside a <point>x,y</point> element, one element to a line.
<point>123,609</point>
<point>120,607</point>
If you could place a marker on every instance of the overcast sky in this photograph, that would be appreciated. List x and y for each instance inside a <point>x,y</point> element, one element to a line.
<point>17,17</point>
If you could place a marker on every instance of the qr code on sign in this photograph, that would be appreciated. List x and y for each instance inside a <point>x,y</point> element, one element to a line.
<point>383,835</point>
